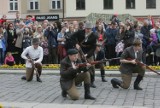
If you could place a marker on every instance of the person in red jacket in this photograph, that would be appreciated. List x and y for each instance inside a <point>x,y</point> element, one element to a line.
<point>3,19</point>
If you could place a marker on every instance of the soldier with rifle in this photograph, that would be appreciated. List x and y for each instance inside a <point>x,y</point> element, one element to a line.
<point>129,65</point>
<point>71,75</point>
<point>33,56</point>
<point>85,41</point>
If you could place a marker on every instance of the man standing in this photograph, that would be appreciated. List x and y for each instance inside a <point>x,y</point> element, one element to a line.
<point>129,66</point>
<point>110,44</point>
<point>85,41</point>
<point>72,75</point>
<point>33,56</point>
<point>17,20</point>
<point>51,34</point>
<point>19,40</point>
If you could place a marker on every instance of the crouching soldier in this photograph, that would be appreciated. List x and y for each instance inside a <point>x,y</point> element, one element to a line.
<point>129,65</point>
<point>72,75</point>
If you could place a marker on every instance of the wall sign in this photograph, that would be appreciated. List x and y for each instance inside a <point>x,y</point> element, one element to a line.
<point>46,17</point>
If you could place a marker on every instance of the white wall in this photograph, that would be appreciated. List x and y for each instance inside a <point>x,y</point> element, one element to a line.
<point>119,6</point>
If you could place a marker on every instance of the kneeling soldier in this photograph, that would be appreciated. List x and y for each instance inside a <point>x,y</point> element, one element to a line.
<point>72,75</point>
<point>129,65</point>
<point>33,56</point>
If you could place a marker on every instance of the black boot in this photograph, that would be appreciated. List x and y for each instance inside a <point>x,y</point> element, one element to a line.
<point>103,76</point>
<point>64,94</point>
<point>87,92</point>
<point>38,79</point>
<point>92,81</point>
<point>38,75</point>
<point>137,81</point>
<point>92,74</point>
<point>116,83</point>
<point>23,77</point>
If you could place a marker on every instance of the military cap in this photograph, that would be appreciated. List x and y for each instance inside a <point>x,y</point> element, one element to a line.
<point>72,51</point>
<point>88,25</point>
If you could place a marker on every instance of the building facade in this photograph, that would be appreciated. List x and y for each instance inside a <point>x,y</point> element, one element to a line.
<point>82,8</point>
<point>66,9</point>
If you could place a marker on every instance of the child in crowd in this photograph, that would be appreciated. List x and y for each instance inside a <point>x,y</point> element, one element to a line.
<point>154,42</point>
<point>9,59</point>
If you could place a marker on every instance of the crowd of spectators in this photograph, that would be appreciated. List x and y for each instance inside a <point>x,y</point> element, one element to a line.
<point>55,39</point>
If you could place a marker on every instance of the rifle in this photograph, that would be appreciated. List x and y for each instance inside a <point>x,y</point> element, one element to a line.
<point>96,62</point>
<point>82,54</point>
<point>33,66</point>
<point>80,49</point>
<point>147,67</point>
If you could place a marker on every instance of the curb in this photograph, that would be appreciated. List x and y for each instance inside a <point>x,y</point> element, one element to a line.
<point>49,105</point>
<point>56,72</point>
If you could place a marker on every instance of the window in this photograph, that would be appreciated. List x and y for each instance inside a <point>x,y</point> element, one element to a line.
<point>130,4</point>
<point>13,5</point>
<point>108,4</point>
<point>80,4</point>
<point>55,4</point>
<point>150,4</point>
<point>33,4</point>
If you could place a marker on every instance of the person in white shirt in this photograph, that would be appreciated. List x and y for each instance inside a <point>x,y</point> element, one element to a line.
<point>33,56</point>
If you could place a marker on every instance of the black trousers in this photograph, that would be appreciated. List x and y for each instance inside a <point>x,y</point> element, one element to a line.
<point>110,53</point>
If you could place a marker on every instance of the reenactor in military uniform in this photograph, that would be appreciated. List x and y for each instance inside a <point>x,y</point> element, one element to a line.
<point>85,41</point>
<point>72,75</point>
<point>99,55</point>
<point>129,65</point>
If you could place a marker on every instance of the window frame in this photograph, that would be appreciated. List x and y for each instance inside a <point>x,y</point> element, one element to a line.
<point>81,7</point>
<point>34,4</point>
<point>56,4</point>
<point>134,5</point>
<point>154,7</point>
<point>13,2</point>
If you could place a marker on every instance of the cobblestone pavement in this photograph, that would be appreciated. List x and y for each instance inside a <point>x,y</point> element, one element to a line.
<point>14,90</point>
